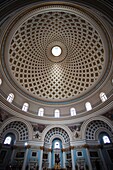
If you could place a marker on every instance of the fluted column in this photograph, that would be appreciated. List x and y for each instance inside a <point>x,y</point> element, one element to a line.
<point>72,156</point>
<point>88,158</point>
<point>41,157</point>
<point>64,158</point>
<point>49,157</point>
<point>12,155</point>
<point>25,158</point>
<point>103,161</point>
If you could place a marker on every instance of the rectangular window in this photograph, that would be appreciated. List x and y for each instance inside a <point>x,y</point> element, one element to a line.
<point>34,154</point>
<point>94,154</point>
<point>79,154</point>
<point>20,155</point>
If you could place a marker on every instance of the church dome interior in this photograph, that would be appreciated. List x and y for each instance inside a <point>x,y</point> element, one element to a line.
<point>56,85</point>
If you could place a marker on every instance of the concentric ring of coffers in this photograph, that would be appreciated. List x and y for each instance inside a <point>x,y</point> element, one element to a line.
<point>82,44</point>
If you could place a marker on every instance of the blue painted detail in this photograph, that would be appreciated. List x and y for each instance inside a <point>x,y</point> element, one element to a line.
<point>56,151</point>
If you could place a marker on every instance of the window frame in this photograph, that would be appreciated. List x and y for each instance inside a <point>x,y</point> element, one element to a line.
<point>72,111</point>
<point>10,97</point>
<point>103,97</point>
<point>88,106</point>
<point>25,107</point>
<point>57,113</point>
<point>6,142</point>
<point>41,112</point>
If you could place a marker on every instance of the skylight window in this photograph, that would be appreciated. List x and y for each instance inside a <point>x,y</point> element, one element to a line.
<point>56,51</point>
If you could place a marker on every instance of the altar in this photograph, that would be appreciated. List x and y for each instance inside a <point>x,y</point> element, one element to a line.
<point>57,166</point>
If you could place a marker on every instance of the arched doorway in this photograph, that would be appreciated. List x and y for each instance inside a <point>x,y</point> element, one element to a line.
<point>57,156</point>
<point>56,146</point>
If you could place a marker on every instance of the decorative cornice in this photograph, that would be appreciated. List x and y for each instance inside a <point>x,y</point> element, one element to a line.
<point>21,147</point>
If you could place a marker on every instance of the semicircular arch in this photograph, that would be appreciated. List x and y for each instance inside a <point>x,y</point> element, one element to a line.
<point>14,119</point>
<point>106,124</point>
<point>51,128</point>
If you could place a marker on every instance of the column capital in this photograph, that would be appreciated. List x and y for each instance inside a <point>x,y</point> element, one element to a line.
<point>72,147</point>
<point>86,146</point>
<point>49,150</point>
<point>41,147</point>
<point>63,149</point>
<point>28,146</point>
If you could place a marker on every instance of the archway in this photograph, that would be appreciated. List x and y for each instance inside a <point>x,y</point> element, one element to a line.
<point>57,156</point>
<point>56,146</point>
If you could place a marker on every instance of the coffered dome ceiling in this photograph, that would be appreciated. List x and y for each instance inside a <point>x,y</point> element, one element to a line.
<point>56,56</point>
<point>49,76</point>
